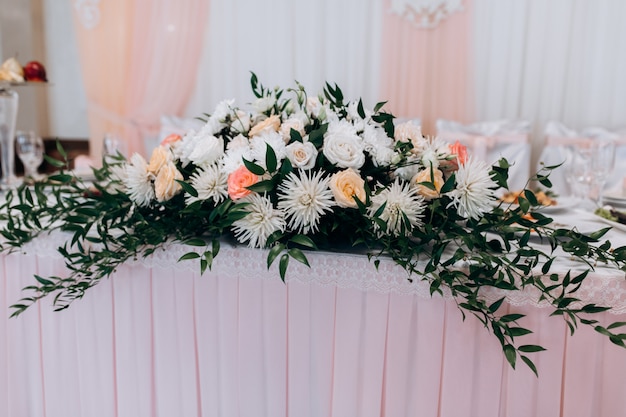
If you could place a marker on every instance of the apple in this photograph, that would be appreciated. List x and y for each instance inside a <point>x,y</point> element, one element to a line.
<point>35,71</point>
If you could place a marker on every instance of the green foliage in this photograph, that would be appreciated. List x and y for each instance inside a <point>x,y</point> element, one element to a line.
<point>461,256</point>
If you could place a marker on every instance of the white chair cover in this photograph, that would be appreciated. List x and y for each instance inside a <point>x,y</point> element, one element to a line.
<point>492,140</point>
<point>559,138</point>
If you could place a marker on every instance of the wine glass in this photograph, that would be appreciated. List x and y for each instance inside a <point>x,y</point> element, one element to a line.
<point>30,150</point>
<point>603,163</point>
<point>588,168</point>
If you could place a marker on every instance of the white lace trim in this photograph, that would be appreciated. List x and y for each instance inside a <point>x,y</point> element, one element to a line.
<point>425,13</point>
<point>604,286</point>
<point>88,12</point>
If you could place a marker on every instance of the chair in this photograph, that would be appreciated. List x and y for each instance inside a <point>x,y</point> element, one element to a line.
<point>559,142</point>
<point>491,140</point>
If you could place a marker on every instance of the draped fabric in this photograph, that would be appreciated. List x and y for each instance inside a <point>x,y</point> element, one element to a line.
<point>139,62</point>
<point>155,341</point>
<point>425,72</point>
<point>560,60</point>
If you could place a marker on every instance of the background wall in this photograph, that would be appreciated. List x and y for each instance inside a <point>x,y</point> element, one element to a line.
<point>538,60</point>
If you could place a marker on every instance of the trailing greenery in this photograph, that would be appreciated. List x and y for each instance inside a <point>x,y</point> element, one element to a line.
<point>449,248</point>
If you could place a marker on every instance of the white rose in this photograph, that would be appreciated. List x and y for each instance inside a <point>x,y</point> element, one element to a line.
<point>241,122</point>
<point>238,141</point>
<point>263,104</point>
<point>302,155</point>
<point>343,147</point>
<point>206,150</point>
<point>291,123</point>
<point>430,159</point>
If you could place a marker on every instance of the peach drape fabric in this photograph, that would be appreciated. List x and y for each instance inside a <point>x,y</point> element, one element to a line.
<point>138,63</point>
<point>426,72</point>
<point>238,342</point>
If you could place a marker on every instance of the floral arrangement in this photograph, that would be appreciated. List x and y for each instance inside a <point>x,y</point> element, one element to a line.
<point>293,173</point>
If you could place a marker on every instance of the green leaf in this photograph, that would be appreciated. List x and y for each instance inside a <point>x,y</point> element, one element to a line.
<point>188,188</point>
<point>303,241</point>
<point>270,158</point>
<point>297,254</point>
<point>60,150</point>
<point>282,266</point>
<point>530,348</point>
<point>189,255</point>
<point>616,324</point>
<point>54,162</point>
<point>254,168</point>
<point>262,186</point>
<point>530,364</point>
<point>511,317</point>
<point>510,354</point>
<point>43,281</point>
<point>195,242</point>
<point>496,305</point>
<point>273,253</point>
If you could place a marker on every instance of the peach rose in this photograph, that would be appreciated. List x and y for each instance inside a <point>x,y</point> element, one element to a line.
<point>238,180</point>
<point>460,151</point>
<point>165,185</point>
<point>160,156</point>
<point>272,123</point>
<point>169,139</point>
<point>424,176</point>
<point>346,185</point>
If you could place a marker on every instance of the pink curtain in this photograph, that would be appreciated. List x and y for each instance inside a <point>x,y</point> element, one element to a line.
<point>138,62</point>
<point>426,72</point>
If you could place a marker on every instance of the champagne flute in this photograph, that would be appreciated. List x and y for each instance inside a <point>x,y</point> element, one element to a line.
<point>30,150</point>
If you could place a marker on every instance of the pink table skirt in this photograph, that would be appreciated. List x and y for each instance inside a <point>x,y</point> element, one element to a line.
<point>157,341</point>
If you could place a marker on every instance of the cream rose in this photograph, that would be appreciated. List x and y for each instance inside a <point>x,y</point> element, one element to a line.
<point>160,156</point>
<point>424,176</point>
<point>242,121</point>
<point>302,155</point>
<point>271,124</point>
<point>346,185</point>
<point>291,123</point>
<point>343,147</point>
<point>165,185</point>
<point>410,132</point>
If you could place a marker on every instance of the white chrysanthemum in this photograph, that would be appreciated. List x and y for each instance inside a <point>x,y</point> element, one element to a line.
<point>305,199</point>
<point>139,181</point>
<point>259,143</point>
<point>210,183</point>
<point>263,220</point>
<point>378,145</point>
<point>218,119</point>
<point>431,151</point>
<point>402,203</point>
<point>474,189</point>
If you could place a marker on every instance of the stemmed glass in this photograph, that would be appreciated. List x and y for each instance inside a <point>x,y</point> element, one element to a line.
<point>30,149</point>
<point>589,167</point>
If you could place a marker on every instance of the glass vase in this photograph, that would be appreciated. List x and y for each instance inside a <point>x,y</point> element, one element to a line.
<point>8,117</point>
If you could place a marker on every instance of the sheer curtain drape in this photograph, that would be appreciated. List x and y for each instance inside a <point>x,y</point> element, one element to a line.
<point>542,60</point>
<point>138,63</point>
<point>282,41</point>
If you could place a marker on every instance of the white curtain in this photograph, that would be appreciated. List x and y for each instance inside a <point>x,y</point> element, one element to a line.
<point>285,40</point>
<point>543,60</point>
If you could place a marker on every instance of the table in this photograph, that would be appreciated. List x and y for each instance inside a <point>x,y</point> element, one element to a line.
<point>339,339</point>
